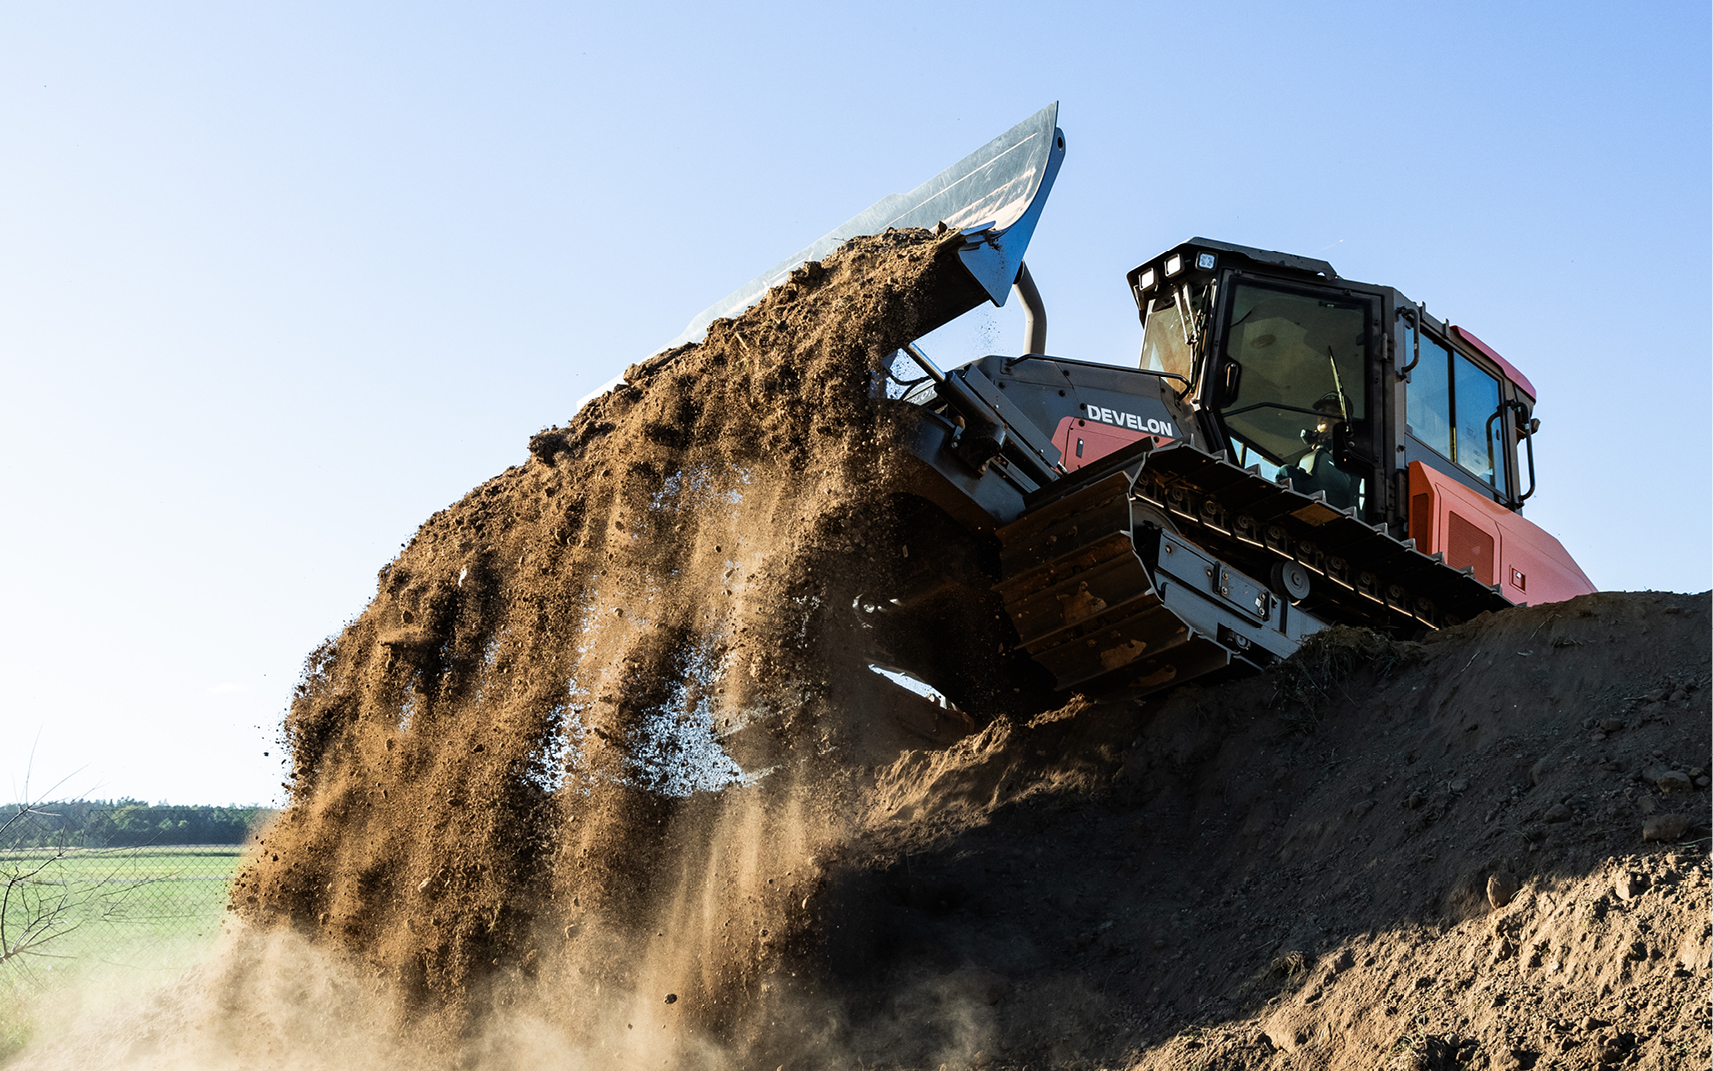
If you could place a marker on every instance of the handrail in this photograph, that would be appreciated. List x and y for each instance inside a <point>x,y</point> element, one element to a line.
<point>1168,375</point>
<point>1529,441</point>
<point>1414,315</point>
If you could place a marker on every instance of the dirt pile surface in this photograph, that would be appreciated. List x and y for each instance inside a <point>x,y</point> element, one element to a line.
<point>602,778</point>
<point>1485,851</point>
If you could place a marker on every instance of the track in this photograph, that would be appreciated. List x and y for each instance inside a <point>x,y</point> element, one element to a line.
<point>1142,572</point>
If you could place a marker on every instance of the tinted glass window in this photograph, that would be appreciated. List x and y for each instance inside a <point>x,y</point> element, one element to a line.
<point>1303,363</point>
<point>1303,358</point>
<point>1429,395</point>
<point>1477,399</point>
<point>1163,345</point>
<point>1449,400</point>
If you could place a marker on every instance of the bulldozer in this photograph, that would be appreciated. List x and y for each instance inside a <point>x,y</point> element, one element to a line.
<point>1291,450</point>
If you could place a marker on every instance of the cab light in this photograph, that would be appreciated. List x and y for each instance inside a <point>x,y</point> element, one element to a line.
<point>1204,261</point>
<point>1148,279</point>
<point>1174,265</point>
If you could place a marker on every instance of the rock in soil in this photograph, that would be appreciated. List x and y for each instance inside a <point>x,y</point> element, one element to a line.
<point>1665,827</point>
<point>1501,887</point>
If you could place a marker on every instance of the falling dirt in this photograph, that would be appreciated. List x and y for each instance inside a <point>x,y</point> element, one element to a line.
<point>602,778</point>
<point>506,771</point>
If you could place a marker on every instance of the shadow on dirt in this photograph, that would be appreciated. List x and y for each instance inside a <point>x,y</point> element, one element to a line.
<point>1117,879</point>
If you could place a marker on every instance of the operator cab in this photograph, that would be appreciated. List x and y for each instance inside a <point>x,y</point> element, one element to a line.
<point>1330,385</point>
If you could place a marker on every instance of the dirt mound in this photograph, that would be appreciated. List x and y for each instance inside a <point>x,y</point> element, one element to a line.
<point>602,778</point>
<point>1442,859</point>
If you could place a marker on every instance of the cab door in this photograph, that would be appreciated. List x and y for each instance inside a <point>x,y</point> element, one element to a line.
<point>1294,387</point>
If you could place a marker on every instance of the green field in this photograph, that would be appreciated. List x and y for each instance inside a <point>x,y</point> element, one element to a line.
<point>123,919</point>
<point>153,909</point>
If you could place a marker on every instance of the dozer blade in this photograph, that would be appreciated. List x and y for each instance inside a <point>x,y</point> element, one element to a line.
<point>994,195</point>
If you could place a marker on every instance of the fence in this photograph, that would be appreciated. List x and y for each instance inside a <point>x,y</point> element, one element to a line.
<point>131,917</point>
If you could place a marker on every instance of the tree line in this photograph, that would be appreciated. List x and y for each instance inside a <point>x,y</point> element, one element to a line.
<point>128,823</point>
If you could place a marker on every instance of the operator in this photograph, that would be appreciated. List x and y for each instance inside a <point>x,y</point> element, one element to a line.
<point>1314,471</point>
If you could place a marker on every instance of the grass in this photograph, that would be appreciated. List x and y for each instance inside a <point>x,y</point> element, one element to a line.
<point>125,897</point>
<point>134,917</point>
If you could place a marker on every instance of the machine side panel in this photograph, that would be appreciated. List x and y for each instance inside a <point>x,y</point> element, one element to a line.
<point>1081,442</point>
<point>1473,531</point>
<point>1101,407</point>
<point>976,499</point>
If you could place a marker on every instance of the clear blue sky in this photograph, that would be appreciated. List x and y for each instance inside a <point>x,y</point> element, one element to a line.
<point>278,281</point>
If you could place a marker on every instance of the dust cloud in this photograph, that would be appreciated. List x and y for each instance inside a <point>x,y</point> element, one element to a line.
<point>574,774</point>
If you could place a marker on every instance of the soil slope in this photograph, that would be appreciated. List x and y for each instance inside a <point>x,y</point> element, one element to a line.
<point>601,778</point>
<point>1232,877</point>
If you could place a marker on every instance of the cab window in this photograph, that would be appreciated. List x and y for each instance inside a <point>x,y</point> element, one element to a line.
<point>1475,396</point>
<point>1303,362</point>
<point>1429,394</point>
<point>1449,401</point>
<point>1164,347</point>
